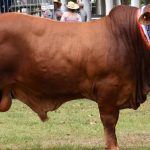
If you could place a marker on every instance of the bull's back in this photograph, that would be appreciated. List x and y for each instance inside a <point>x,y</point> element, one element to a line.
<point>54,53</point>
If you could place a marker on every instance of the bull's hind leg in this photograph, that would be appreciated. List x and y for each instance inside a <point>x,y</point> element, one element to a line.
<point>109,117</point>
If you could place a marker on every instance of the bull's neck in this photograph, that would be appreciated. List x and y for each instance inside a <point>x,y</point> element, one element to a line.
<point>130,36</point>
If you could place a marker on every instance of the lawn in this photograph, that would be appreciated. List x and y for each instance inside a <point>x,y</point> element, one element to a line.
<point>74,126</point>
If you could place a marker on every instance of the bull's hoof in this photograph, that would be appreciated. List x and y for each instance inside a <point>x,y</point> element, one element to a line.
<point>114,148</point>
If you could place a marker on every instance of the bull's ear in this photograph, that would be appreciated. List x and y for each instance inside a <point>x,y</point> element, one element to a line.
<point>145,18</point>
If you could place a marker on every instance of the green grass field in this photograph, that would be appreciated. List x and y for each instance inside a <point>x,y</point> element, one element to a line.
<point>74,126</point>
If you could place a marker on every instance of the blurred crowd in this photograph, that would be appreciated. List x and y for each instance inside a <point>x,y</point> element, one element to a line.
<point>75,12</point>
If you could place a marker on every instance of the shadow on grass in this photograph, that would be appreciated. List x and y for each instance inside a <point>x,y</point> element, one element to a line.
<point>78,147</point>
<point>136,148</point>
<point>86,148</point>
<point>62,147</point>
<point>72,147</point>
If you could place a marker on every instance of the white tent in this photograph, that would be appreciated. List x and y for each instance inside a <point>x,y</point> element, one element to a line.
<point>135,3</point>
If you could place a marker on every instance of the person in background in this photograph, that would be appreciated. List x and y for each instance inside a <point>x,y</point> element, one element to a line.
<point>71,15</point>
<point>82,11</point>
<point>57,10</point>
<point>5,5</point>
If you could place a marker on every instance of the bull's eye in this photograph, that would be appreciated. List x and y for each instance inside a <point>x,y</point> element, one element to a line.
<point>145,17</point>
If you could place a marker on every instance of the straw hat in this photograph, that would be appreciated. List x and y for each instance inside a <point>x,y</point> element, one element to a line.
<point>72,5</point>
<point>57,1</point>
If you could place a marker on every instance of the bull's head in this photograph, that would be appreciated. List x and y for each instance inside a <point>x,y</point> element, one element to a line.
<point>145,15</point>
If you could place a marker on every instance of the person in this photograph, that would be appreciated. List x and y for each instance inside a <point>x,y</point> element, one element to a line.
<point>82,11</point>
<point>57,10</point>
<point>71,15</point>
<point>5,6</point>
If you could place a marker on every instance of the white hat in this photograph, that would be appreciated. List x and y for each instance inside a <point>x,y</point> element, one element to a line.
<point>72,5</point>
<point>56,1</point>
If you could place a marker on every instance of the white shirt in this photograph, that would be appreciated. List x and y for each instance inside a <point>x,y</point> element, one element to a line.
<point>70,17</point>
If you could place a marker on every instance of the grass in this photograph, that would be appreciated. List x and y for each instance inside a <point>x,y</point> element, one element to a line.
<point>74,126</point>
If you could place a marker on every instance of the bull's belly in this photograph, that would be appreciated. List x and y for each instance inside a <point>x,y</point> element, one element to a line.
<point>42,102</point>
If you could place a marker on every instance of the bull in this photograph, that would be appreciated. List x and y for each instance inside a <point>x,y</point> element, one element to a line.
<point>46,63</point>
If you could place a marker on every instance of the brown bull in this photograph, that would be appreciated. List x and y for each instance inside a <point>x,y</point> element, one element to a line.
<point>45,63</point>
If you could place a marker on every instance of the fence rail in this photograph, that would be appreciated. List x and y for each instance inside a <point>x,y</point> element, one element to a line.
<point>43,8</point>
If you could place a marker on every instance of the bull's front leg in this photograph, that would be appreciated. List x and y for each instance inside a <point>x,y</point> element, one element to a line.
<point>109,117</point>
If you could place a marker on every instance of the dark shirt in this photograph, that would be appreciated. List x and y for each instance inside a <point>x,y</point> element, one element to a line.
<point>5,5</point>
